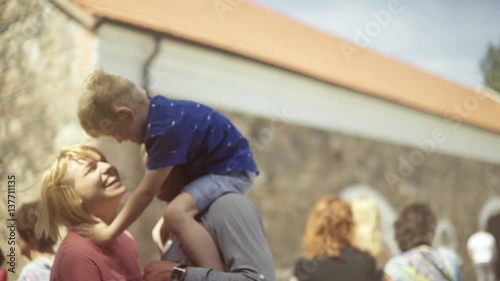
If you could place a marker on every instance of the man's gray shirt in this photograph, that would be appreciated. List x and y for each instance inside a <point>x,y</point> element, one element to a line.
<point>236,227</point>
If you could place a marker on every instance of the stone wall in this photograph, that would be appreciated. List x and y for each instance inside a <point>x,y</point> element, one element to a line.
<point>39,82</point>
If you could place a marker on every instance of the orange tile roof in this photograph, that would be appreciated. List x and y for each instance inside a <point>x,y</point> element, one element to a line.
<point>249,30</point>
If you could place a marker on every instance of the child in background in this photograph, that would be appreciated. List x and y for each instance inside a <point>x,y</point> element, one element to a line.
<point>39,250</point>
<point>175,132</point>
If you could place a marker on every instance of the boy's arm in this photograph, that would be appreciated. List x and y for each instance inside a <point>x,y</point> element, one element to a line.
<point>135,205</point>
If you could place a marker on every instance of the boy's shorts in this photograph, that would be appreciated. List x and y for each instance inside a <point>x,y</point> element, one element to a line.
<point>206,189</point>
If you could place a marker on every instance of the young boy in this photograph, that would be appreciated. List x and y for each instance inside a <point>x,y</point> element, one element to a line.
<point>175,132</point>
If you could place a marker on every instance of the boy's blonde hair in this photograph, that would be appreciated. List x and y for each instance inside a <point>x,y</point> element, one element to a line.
<point>102,94</point>
<point>60,204</point>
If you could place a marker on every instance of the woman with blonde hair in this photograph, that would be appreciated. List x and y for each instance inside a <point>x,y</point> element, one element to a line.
<point>330,251</point>
<point>79,186</point>
<point>367,220</point>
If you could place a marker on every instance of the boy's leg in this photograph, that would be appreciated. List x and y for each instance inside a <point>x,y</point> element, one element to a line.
<point>195,239</point>
<point>195,198</point>
<point>175,182</point>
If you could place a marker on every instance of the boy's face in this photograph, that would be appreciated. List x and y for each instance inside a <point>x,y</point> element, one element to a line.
<point>127,128</point>
<point>127,131</point>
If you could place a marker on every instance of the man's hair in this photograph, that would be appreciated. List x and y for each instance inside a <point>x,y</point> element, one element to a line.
<point>2,257</point>
<point>27,216</point>
<point>329,228</point>
<point>102,94</point>
<point>415,226</point>
<point>60,204</point>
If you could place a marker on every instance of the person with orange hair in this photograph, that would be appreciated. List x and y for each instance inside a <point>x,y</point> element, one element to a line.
<point>330,251</point>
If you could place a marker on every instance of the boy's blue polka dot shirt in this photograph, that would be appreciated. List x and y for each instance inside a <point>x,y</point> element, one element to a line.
<point>186,132</point>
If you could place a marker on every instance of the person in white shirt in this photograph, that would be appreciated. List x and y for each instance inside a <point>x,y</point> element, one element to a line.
<point>39,250</point>
<point>482,252</point>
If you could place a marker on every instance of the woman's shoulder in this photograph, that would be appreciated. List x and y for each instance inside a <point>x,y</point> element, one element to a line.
<point>450,256</point>
<point>304,262</point>
<point>126,238</point>
<point>304,265</point>
<point>358,254</point>
<point>75,247</point>
<point>75,241</point>
<point>396,260</point>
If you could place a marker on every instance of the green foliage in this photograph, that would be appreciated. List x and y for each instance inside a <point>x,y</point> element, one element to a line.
<point>490,66</point>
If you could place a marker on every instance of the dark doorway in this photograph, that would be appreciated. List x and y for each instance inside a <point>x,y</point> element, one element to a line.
<point>493,227</point>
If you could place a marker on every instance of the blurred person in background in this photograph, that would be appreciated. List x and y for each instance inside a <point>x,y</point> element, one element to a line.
<point>481,247</point>
<point>40,251</point>
<point>493,227</point>
<point>368,235</point>
<point>414,230</point>
<point>330,250</point>
<point>3,270</point>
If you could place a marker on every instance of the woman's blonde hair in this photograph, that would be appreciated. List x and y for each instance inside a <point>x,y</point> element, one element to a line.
<point>367,225</point>
<point>329,228</point>
<point>102,94</point>
<point>60,204</point>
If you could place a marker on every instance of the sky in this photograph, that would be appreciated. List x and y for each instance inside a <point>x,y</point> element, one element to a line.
<point>445,37</point>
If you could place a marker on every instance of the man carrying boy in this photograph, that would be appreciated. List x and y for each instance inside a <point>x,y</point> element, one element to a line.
<point>175,132</point>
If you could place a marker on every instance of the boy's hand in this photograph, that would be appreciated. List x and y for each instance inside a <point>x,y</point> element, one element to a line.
<point>98,233</point>
<point>156,235</point>
<point>144,154</point>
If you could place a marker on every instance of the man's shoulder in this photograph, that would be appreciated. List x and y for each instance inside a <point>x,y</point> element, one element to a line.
<point>233,210</point>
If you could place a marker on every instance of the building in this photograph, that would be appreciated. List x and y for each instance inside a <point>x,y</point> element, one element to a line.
<point>323,115</point>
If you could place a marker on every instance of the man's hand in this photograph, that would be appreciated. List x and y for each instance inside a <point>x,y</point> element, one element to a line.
<point>159,270</point>
<point>99,233</point>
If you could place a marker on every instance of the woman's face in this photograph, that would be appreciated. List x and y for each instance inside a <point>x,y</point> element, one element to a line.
<point>96,182</point>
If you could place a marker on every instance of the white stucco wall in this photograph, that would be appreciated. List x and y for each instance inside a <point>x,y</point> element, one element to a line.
<point>188,71</point>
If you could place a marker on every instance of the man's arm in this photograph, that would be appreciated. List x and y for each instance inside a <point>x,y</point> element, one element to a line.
<point>236,226</point>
